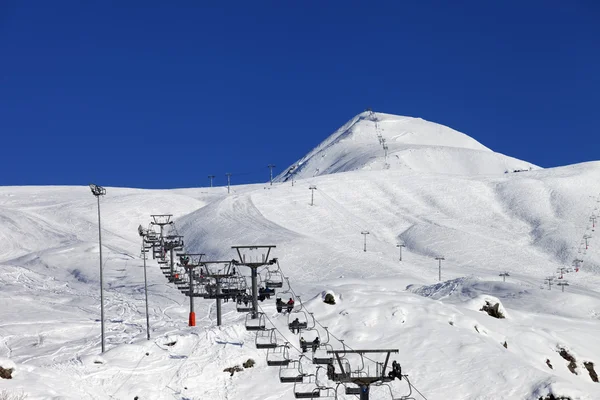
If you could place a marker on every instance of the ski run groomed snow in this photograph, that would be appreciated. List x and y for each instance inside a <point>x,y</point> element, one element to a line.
<point>437,191</point>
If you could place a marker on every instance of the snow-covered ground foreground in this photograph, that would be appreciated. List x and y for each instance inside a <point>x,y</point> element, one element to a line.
<point>483,223</point>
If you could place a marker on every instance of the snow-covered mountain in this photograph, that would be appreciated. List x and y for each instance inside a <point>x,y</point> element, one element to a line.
<point>482,221</point>
<point>376,141</point>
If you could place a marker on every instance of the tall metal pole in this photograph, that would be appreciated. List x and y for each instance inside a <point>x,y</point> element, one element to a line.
<point>100,191</point>
<point>400,246</point>
<point>146,291</point>
<point>192,319</point>
<point>440,266</point>
<point>312,194</point>
<point>172,262</point>
<point>365,233</point>
<point>254,294</point>
<point>228,181</point>
<point>218,291</point>
<point>364,392</point>
<point>271,166</point>
<point>101,277</point>
<point>211,180</point>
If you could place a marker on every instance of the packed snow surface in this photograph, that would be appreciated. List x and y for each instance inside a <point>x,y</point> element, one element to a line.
<point>483,222</point>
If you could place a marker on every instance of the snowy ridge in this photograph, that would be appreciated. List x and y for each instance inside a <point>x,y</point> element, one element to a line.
<point>414,145</point>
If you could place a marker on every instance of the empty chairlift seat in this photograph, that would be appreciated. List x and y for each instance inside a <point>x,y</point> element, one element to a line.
<point>307,388</point>
<point>278,356</point>
<point>290,373</point>
<point>321,357</point>
<point>274,279</point>
<point>266,339</point>
<point>255,324</point>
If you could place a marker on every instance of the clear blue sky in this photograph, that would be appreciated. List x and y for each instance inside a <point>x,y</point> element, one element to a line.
<point>161,94</point>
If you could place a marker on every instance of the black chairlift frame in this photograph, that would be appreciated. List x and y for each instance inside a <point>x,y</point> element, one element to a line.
<point>217,276</point>
<point>363,382</point>
<point>253,267</point>
<point>193,262</point>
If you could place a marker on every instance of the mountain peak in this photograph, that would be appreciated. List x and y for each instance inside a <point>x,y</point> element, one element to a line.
<point>378,141</point>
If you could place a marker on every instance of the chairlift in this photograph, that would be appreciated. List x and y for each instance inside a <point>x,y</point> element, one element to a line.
<point>321,357</point>
<point>290,373</point>
<point>338,376</point>
<point>353,390</point>
<point>278,356</point>
<point>274,279</point>
<point>298,320</point>
<point>244,308</point>
<point>307,388</point>
<point>266,339</point>
<point>255,324</point>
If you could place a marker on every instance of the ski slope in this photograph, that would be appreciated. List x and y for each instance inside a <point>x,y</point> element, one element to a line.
<point>528,224</point>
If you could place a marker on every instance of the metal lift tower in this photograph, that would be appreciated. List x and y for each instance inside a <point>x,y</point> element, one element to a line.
<point>227,271</point>
<point>254,265</point>
<point>193,260</point>
<point>161,220</point>
<point>171,243</point>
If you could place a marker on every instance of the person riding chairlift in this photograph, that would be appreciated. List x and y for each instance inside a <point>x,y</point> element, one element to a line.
<point>290,305</point>
<point>279,304</point>
<point>315,344</point>
<point>303,344</point>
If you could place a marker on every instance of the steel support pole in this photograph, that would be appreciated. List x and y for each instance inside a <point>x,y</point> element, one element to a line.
<point>192,319</point>
<point>364,392</point>
<point>365,248</point>
<point>101,277</point>
<point>146,292</point>
<point>254,294</point>
<point>218,290</point>
<point>172,262</point>
<point>440,270</point>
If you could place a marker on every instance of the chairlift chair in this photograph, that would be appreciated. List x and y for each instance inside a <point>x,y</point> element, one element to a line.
<point>278,356</point>
<point>255,324</point>
<point>320,357</point>
<point>266,339</point>
<point>290,373</point>
<point>307,388</point>
<point>302,322</point>
<point>353,390</point>
<point>274,279</point>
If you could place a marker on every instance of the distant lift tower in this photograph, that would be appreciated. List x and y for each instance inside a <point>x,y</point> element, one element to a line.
<point>440,266</point>
<point>360,378</point>
<point>365,233</point>
<point>246,261</point>
<point>400,246</point>
<point>271,166</point>
<point>161,220</point>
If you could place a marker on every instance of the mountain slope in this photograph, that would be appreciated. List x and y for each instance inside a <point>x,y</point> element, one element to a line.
<point>413,145</point>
